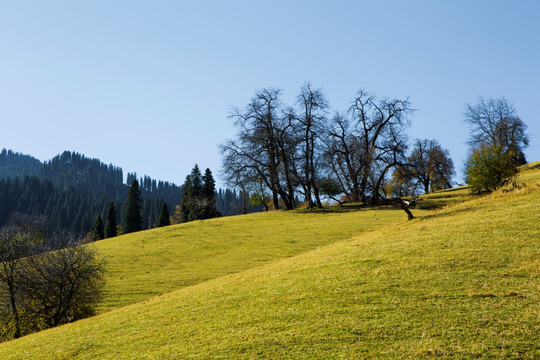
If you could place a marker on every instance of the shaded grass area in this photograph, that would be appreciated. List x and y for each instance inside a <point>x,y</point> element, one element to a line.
<point>463,284</point>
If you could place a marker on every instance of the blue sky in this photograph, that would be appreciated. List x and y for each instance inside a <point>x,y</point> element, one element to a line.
<point>147,85</point>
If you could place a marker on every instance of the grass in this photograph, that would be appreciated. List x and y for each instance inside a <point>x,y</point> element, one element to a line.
<point>150,263</point>
<point>460,282</point>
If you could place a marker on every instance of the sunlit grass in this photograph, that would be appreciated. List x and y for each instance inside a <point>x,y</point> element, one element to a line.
<point>150,263</point>
<point>459,282</point>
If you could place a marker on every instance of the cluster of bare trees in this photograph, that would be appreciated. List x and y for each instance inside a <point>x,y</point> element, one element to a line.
<point>282,152</point>
<point>44,282</point>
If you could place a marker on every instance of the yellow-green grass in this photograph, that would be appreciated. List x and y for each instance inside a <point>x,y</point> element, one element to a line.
<point>461,282</point>
<point>149,263</point>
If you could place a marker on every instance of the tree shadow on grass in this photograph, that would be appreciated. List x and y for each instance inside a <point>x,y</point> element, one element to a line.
<point>450,212</point>
<point>347,208</point>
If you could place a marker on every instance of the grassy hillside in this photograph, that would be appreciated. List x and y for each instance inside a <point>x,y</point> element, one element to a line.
<point>461,282</point>
<point>149,263</point>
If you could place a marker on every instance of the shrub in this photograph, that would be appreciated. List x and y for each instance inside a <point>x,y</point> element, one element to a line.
<point>489,168</point>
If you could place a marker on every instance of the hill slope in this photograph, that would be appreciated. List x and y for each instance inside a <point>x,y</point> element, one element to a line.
<point>462,282</point>
<point>149,263</point>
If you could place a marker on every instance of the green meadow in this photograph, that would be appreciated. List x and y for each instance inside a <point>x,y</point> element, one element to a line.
<point>462,280</point>
<point>149,263</point>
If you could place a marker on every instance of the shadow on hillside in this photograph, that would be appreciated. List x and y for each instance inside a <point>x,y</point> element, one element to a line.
<point>433,201</point>
<point>446,213</point>
<point>346,208</point>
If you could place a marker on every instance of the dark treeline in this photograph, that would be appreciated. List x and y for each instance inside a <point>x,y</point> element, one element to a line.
<point>71,169</point>
<point>66,210</point>
<point>70,190</point>
<point>13,164</point>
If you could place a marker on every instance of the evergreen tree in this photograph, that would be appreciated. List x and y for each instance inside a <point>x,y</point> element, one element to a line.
<point>132,220</point>
<point>209,186</point>
<point>110,227</point>
<point>191,195</point>
<point>164,219</point>
<point>198,196</point>
<point>208,198</point>
<point>97,229</point>
<point>196,181</point>
<point>185,203</point>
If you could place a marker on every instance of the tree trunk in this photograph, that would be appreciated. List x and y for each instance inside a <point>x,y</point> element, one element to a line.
<point>275,199</point>
<point>317,197</point>
<point>17,333</point>
<point>406,209</point>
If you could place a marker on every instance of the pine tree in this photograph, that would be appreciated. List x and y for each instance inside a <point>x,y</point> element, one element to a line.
<point>164,219</point>
<point>191,195</point>
<point>209,186</point>
<point>97,229</point>
<point>196,181</point>
<point>132,220</point>
<point>198,196</point>
<point>208,198</point>
<point>185,203</point>
<point>110,227</point>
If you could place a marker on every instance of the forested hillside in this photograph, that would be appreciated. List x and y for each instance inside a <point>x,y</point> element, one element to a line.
<point>14,164</point>
<point>70,190</point>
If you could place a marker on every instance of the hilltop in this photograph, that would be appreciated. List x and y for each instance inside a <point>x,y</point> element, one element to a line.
<point>460,281</point>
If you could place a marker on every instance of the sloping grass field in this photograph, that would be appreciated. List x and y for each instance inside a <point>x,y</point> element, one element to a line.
<point>458,282</point>
<point>143,265</point>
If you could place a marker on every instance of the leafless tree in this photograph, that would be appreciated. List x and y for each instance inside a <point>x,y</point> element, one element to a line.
<point>18,239</point>
<point>344,155</point>
<point>43,286</point>
<point>262,149</point>
<point>310,123</point>
<point>493,122</point>
<point>62,285</point>
<point>363,148</point>
<point>429,166</point>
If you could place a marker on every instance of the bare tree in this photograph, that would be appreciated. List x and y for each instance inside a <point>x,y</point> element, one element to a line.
<point>62,285</point>
<point>441,167</point>
<point>309,120</point>
<point>262,149</point>
<point>18,239</point>
<point>40,288</point>
<point>429,166</point>
<point>362,150</point>
<point>344,156</point>
<point>494,122</point>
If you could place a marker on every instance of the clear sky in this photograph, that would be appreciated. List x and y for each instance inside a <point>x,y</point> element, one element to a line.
<point>147,85</point>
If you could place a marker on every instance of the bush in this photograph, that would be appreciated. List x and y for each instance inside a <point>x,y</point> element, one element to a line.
<point>489,168</point>
<point>44,283</point>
